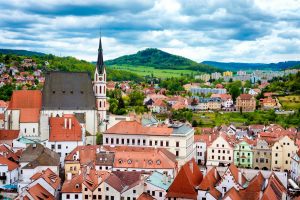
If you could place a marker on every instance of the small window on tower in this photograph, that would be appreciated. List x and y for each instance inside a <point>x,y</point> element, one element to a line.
<point>100,104</point>
<point>71,91</point>
<point>81,92</point>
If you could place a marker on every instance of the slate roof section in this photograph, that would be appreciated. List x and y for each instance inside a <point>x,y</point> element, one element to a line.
<point>100,62</point>
<point>38,155</point>
<point>68,91</point>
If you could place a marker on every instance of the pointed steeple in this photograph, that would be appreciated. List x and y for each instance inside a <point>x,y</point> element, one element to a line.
<point>100,63</point>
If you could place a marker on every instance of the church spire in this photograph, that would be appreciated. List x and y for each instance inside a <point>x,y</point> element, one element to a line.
<point>100,63</point>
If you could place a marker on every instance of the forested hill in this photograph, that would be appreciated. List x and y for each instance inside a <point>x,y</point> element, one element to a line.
<point>56,63</point>
<point>21,52</point>
<point>158,59</point>
<point>235,66</point>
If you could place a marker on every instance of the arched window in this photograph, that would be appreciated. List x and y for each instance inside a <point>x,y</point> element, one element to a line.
<point>104,89</point>
<point>100,104</point>
<point>100,89</point>
<point>96,87</point>
<point>104,104</point>
<point>104,76</point>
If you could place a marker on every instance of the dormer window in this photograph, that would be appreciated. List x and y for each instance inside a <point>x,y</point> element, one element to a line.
<point>150,162</point>
<point>77,186</point>
<point>120,161</point>
<point>158,162</point>
<point>129,161</point>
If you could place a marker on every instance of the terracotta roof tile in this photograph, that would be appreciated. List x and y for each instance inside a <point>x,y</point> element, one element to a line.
<point>143,158</point>
<point>245,96</point>
<point>145,196</point>
<point>10,164</point>
<point>60,129</point>
<point>9,134</point>
<point>135,128</point>
<point>25,99</point>
<point>274,189</point>
<point>209,181</point>
<point>191,176</point>
<point>232,194</point>
<point>49,176</point>
<point>38,193</point>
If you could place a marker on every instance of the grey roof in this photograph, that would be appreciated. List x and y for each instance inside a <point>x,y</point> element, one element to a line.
<point>148,120</point>
<point>181,129</point>
<point>38,155</point>
<point>100,62</point>
<point>80,117</point>
<point>68,91</point>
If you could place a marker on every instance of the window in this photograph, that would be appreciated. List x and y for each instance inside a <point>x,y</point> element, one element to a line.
<point>85,189</point>
<point>134,191</point>
<point>275,161</point>
<point>106,197</point>
<point>286,162</point>
<point>266,160</point>
<point>223,151</point>
<point>150,143</point>
<point>217,145</point>
<point>86,196</point>
<point>177,144</point>
<point>117,141</point>
<point>160,194</point>
<point>68,196</point>
<point>144,142</point>
<point>219,151</point>
<point>228,152</point>
<point>177,153</point>
<point>107,189</point>
<point>212,157</point>
<point>99,189</point>
<point>167,143</point>
<point>33,130</point>
<point>222,145</point>
<point>133,141</point>
<point>123,141</point>
<point>276,154</point>
<point>94,197</point>
<point>155,142</point>
<point>99,197</point>
<point>106,140</point>
<point>289,154</point>
<point>248,154</point>
<point>112,198</point>
<point>111,140</point>
<point>138,141</point>
<point>25,130</point>
<point>153,193</point>
<point>128,141</point>
<point>276,147</point>
<point>229,157</point>
<point>52,146</point>
<point>161,143</point>
<point>76,196</point>
<point>219,157</point>
<point>128,198</point>
<point>257,160</point>
<point>212,151</point>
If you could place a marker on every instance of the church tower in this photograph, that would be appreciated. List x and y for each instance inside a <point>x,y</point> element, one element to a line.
<point>100,86</point>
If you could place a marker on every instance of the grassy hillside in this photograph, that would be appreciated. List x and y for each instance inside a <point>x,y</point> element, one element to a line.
<point>160,60</point>
<point>235,66</point>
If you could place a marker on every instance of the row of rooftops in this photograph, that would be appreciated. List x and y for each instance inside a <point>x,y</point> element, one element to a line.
<point>259,187</point>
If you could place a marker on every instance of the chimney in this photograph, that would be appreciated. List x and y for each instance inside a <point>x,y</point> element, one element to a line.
<point>191,167</point>
<point>69,176</point>
<point>70,123</point>
<point>164,179</point>
<point>65,123</point>
<point>216,174</point>
<point>240,178</point>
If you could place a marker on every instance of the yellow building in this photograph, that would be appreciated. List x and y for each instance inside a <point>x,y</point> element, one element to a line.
<point>228,73</point>
<point>282,151</point>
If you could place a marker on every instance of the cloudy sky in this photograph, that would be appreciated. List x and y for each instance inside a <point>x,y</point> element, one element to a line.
<point>220,30</point>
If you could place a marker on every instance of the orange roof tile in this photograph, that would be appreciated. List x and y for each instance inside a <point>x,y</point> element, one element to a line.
<point>25,99</point>
<point>10,164</point>
<point>29,115</point>
<point>49,176</point>
<point>87,154</point>
<point>58,131</point>
<point>209,181</point>
<point>3,104</point>
<point>232,194</point>
<point>245,96</point>
<point>9,134</point>
<point>274,189</point>
<point>38,193</point>
<point>143,158</point>
<point>135,128</point>
<point>145,196</point>
<point>185,183</point>
<point>252,192</point>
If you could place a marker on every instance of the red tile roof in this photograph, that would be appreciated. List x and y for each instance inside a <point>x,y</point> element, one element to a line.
<point>10,164</point>
<point>135,128</point>
<point>185,183</point>
<point>49,176</point>
<point>38,193</point>
<point>245,96</point>
<point>58,131</point>
<point>232,194</point>
<point>9,134</point>
<point>209,181</point>
<point>274,189</point>
<point>123,180</point>
<point>25,99</point>
<point>3,104</point>
<point>145,196</point>
<point>234,171</point>
<point>29,102</point>
<point>252,192</point>
<point>143,158</point>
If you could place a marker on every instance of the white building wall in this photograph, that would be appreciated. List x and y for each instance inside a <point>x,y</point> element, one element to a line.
<point>200,152</point>
<point>11,176</point>
<point>156,192</point>
<point>72,196</point>
<point>29,129</point>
